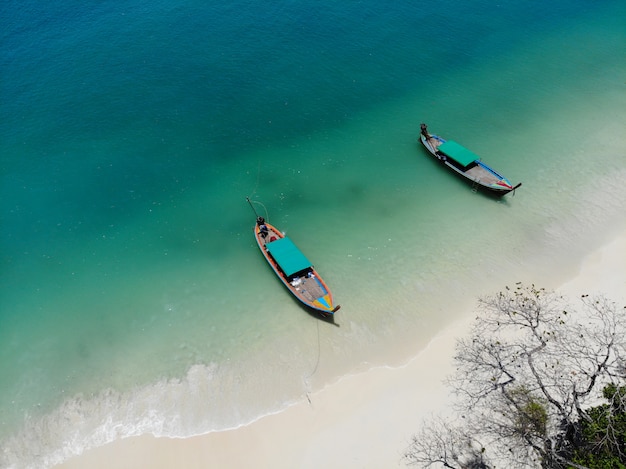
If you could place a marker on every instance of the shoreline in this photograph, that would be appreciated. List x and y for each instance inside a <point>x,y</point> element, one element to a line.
<point>363,420</point>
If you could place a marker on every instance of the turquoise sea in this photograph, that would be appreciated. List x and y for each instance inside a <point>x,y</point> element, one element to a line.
<point>133,297</point>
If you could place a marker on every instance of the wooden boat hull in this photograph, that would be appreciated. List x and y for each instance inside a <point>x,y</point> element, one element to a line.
<point>479,175</point>
<point>306,285</point>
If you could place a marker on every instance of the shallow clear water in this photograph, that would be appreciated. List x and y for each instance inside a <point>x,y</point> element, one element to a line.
<point>134,298</point>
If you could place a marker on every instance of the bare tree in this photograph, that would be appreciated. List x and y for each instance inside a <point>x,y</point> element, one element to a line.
<point>526,376</point>
<point>449,445</point>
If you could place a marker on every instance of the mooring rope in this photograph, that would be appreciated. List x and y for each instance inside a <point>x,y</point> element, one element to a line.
<point>267,217</point>
<point>258,178</point>
<point>317,362</point>
<point>256,186</point>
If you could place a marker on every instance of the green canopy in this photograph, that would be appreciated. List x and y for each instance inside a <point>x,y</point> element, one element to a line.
<point>458,153</point>
<point>288,256</point>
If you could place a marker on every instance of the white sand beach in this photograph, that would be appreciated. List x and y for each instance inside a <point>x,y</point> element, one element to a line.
<point>363,420</point>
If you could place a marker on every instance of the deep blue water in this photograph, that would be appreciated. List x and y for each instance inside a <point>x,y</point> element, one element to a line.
<point>109,105</point>
<point>131,132</point>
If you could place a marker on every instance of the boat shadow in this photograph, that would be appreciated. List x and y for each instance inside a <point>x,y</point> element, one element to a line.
<point>327,318</point>
<point>315,314</point>
<point>499,199</point>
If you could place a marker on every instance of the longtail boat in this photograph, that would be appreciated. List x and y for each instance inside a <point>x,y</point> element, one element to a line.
<point>293,268</point>
<point>466,164</point>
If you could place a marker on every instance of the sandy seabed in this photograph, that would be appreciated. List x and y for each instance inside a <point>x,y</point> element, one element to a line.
<point>362,421</point>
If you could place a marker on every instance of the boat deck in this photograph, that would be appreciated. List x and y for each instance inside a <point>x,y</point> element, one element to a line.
<point>310,289</point>
<point>271,236</point>
<point>479,173</point>
<point>434,143</point>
